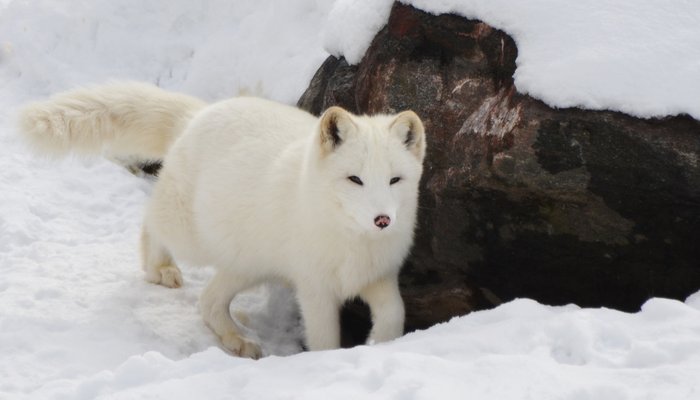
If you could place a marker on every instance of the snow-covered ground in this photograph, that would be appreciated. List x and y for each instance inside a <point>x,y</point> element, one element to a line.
<point>77,321</point>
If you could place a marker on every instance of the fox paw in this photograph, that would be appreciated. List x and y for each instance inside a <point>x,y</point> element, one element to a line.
<point>167,275</point>
<point>240,346</point>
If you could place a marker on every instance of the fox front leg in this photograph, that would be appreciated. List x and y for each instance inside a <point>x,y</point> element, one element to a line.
<point>320,311</point>
<point>386,307</point>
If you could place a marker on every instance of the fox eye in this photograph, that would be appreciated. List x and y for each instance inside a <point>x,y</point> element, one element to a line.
<point>394,180</point>
<point>355,180</point>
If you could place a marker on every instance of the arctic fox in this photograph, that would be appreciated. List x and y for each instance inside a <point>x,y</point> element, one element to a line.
<point>262,191</point>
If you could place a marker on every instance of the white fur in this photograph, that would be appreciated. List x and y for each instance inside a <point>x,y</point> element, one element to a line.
<point>123,120</point>
<point>261,191</point>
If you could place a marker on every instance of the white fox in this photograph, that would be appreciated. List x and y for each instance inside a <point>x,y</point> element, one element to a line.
<point>262,191</point>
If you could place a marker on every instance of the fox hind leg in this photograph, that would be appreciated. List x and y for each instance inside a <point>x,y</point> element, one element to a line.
<point>214,304</point>
<point>157,262</point>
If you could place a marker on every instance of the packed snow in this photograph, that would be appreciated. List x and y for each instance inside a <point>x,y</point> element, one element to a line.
<point>77,320</point>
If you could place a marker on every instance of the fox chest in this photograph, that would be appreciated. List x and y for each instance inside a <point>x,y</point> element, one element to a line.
<point>364,266</point>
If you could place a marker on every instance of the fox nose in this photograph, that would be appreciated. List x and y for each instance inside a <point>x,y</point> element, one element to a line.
<point>382,221</point>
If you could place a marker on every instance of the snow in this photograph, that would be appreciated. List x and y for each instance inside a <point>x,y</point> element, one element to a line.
<point>641,57</point>
<point>77,321</point>
<point>519,350</point>
<point>46,46</point>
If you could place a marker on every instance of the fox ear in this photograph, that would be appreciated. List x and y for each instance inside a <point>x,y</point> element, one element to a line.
<point>336,124</point>
<point>409,128</point>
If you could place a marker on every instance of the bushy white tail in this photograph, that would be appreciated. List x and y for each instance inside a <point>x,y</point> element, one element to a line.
<point>119,120</point>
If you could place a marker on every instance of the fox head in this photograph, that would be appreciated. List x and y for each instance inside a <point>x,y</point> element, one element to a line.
<point>371,167</point>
